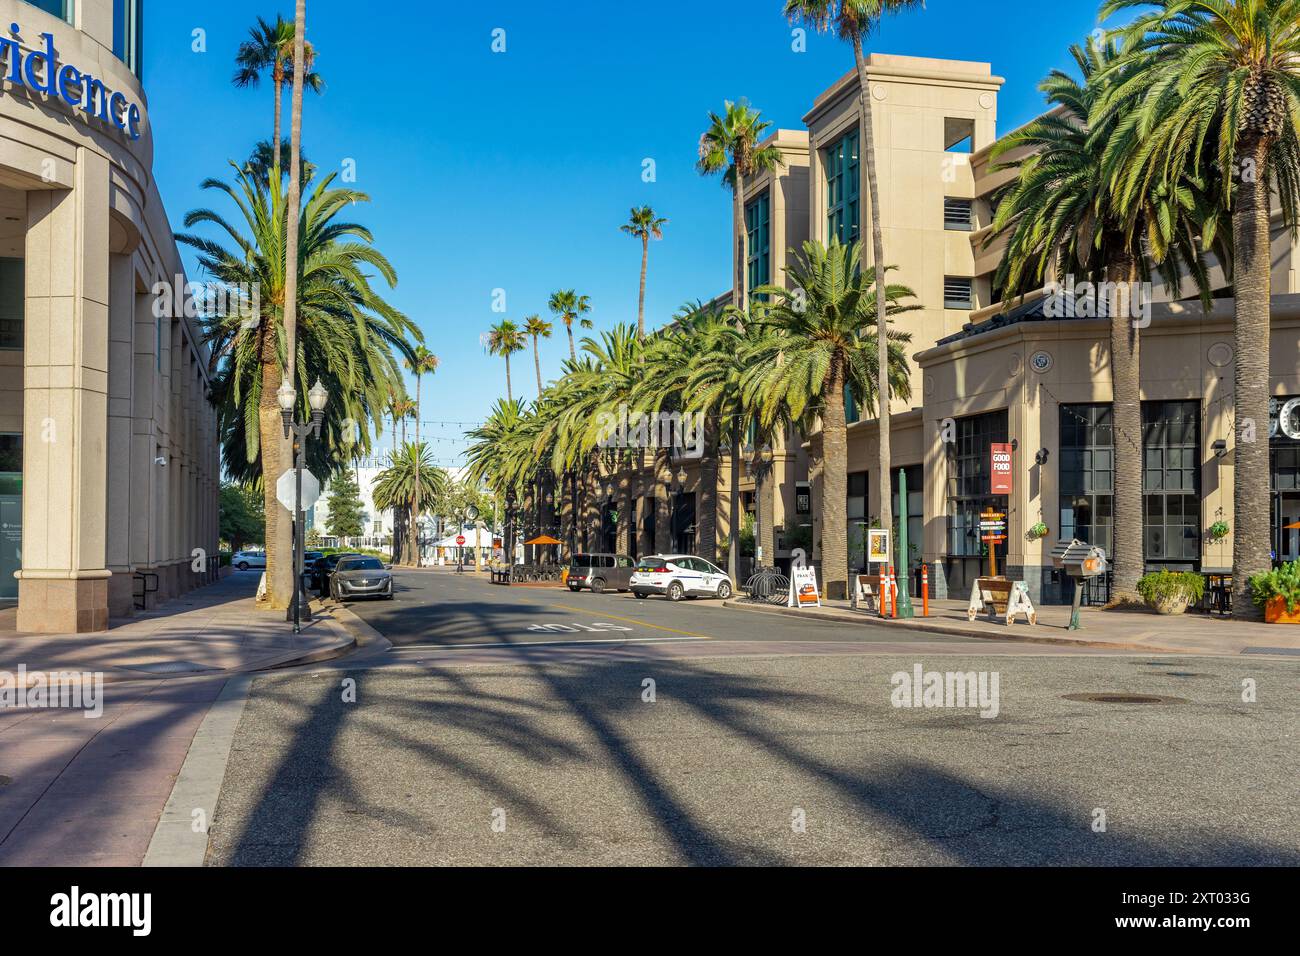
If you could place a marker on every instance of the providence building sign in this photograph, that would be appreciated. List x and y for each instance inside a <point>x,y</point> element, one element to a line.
<point>39,70</point>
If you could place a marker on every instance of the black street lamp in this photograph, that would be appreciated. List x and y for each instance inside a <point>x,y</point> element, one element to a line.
<point>287,398</point>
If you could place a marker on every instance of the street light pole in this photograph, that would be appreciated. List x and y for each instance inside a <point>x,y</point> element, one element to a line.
<point>317,397</point>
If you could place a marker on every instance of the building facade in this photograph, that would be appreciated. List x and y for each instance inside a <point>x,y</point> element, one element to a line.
<point>109,463</point>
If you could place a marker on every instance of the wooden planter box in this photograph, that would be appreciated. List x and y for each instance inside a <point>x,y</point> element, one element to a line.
<point>1275,612</point>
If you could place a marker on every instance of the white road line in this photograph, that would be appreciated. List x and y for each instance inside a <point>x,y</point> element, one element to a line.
<point>624,640</point>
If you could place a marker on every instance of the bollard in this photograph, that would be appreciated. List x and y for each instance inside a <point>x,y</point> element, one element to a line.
<point>893,596</point>
<point>925,590</point>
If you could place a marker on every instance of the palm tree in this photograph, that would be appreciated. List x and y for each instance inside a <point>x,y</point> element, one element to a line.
<point>1220,81</point>
<point>645,226</point>
<point>569,307</point>
<point>348,334</point>
<point>504,339</point>
<point>1061,216</point>
<point>809,349</point>
<point>271,47</point>
<point>421,363</point>
<point>409,486</point>
<point>854,20</point>
<point>731,146</point>
<point>537,327</point>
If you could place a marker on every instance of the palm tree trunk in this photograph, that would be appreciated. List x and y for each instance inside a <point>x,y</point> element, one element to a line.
<point>835,486</point>
<point>277,80</point>
<point>1126,415</point>
<point>882,327</point>
<point>509,392</point>
<point>706,500</point>
<point>733,550</point>
<point>663,516</point>
<point>1252,287</point>
<point>573,353</point>
<point>274,448</point>
<point>738,216</point>
<point>764,488</point>
<point>640,302</point>
<point>418,456</point>
<point>537,364</point>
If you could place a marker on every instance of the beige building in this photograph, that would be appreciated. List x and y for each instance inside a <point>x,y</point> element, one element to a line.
<point>109,467</point>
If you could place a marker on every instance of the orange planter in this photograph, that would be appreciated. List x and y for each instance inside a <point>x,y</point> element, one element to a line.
<point>1275,612</point>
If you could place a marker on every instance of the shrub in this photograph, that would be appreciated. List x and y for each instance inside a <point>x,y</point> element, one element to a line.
<point>1159,587</point>
<point>1283,582</point>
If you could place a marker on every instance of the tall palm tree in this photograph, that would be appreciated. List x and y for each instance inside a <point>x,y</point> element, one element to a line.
<point>645,225</point>
<point>421,363</point>
<point>1220,82</point>
<point>505,339</point>
<point>853,21</point>
<point>810,347</point>
<point>1060,216</point>
<point>569,307</point>
<point>731,146</point>
<point>538,328</point>
<point>410,485</point>
<point>349,336</point>
<point>270,48</point>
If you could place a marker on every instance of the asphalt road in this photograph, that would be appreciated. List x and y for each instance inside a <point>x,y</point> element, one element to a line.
<point>574,765</point>
<point>441,608</point>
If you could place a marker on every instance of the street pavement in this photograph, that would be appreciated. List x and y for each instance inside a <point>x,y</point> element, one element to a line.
<point>506,728</point>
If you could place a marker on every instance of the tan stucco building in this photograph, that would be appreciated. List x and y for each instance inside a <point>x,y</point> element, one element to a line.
<point>108,445</point>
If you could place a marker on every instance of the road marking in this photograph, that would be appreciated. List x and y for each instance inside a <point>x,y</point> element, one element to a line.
<point>633,620</point>
<point>527,644</point>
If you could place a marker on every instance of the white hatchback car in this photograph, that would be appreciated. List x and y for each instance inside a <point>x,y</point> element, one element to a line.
<point>679,576</point>
<point>248,559</point>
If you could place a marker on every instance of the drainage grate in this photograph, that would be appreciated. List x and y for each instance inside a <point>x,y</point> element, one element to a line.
<point>1124,699</point>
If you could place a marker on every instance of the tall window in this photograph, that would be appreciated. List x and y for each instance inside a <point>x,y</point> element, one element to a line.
<point>11,303</point>
<point>968,481</point>
<point>11,513</point>
<point>128,34</point>
<point>1171,482</point>
<point>60,8</point>
<point>856,514</point>
<point>757,222</point>
<point>843,183</point>
<point>1087,474</point>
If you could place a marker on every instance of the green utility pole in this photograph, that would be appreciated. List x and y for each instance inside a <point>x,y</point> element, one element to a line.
<point>904,598</point>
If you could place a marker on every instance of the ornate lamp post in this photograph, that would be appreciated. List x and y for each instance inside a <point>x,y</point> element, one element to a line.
<point>471,514</point>
<point>317,397</point>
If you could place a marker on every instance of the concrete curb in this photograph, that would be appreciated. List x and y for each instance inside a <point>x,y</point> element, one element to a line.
<point>950,629</point>
<point>198,786</point>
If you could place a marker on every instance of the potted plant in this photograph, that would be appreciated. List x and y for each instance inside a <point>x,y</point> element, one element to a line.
<point>1169,592</point>
<point>1277,592</point>
<point>1039,530</point>
<point>1217,531</point>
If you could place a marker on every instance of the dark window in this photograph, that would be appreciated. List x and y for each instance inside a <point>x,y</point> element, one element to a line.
<point>843,184</point>
<point>11,303</point>
<point>758,227</point>
<point>1171,482</point>
<point>957,214</point>
<point>851,413</point>
<point>1087,474</point>
<point>915,511</point>
<point>60,8</point>
<point>957,293</point>
<point>128,34</point>
<point>968,481</point>
<point>857,518</point>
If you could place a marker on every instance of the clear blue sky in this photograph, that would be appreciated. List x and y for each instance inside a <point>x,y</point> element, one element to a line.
<point>515,170</point>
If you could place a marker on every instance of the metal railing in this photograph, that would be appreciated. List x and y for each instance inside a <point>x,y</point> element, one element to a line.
<point>768,586</point>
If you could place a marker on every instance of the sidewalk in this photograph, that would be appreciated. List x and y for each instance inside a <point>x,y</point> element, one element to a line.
<point>1188,633</point>
<point>208,631</point>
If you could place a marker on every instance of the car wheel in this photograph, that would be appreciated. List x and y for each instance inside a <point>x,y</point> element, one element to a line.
<point>640,596</point>
<point>724,590</point>
<point>675,591</point>
<point>598,586</point>
<point>243,565</point>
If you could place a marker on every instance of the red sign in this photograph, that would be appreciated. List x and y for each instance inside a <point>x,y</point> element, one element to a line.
<point>460,540</point>
<point>1000,469</point>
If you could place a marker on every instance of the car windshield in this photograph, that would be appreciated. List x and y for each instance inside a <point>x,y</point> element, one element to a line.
<point>649,564</point>
<point>361,564</point>
<point>580,561</point>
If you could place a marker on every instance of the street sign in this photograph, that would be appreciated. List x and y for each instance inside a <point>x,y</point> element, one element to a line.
<point>284,490</point>
<point>460,540</point>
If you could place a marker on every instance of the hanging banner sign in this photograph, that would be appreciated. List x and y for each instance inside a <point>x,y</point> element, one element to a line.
<point>803,588</point>
<point>1000,482</point>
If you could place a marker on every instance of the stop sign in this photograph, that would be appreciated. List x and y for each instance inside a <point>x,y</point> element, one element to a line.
<point>460,540</point>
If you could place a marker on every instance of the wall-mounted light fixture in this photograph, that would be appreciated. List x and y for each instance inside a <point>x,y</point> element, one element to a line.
<point>1220,447</point>
<point>1041,456</point>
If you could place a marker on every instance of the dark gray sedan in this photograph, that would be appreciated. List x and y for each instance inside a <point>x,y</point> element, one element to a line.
<point>361,577</point>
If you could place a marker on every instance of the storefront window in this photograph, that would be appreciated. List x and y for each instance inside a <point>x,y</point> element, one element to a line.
<point>968,482</point>
<point>1284,479</point>
<point>1087,474</point>
<point>1171,483</point>
<point>856,515</point>
<point>11,303</point>
<point>11,513</point>
<point>915,512</point>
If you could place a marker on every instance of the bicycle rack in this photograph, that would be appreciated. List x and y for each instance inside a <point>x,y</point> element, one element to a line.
<point>142,596</point>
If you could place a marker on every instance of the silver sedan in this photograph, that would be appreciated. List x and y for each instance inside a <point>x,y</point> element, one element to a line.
<point>361,577</point>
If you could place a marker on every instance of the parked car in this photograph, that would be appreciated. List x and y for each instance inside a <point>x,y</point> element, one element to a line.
<point>600,572</point>
<point>680,576</point>
<point>360,576</point>
<point>324,566</point>
<point>248,559</point>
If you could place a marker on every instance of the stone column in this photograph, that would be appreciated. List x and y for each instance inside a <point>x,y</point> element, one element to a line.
<point>63,585</point>
<point>121,501</point>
